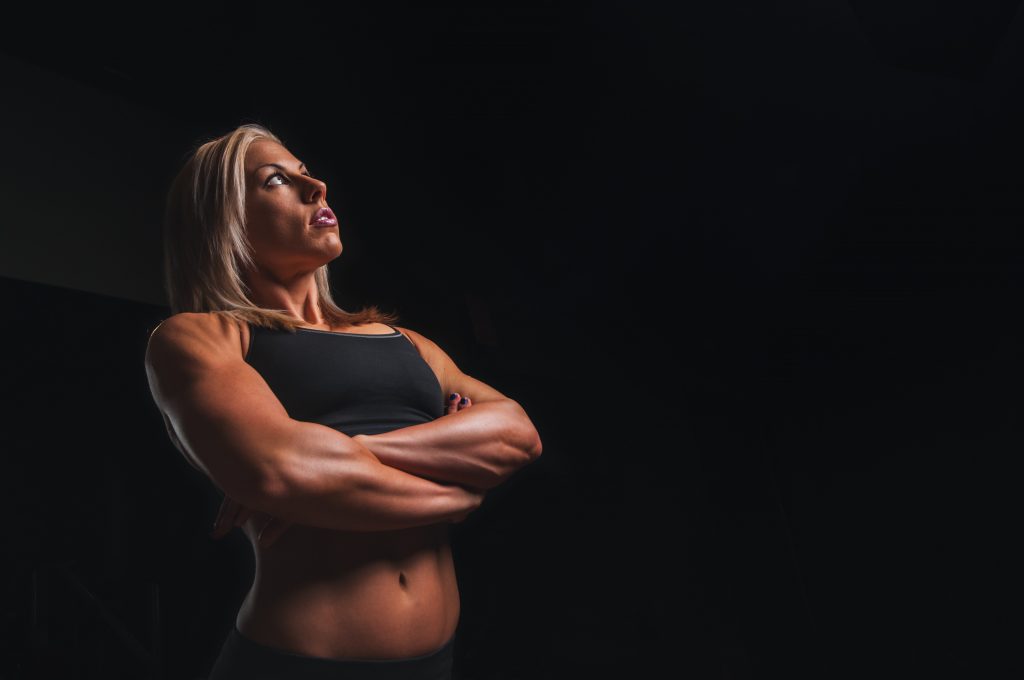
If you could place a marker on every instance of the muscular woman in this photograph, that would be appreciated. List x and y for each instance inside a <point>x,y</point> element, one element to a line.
<point>350,443</point>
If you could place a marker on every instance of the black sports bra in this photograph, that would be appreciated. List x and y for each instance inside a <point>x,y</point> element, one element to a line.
<point>352,382</point>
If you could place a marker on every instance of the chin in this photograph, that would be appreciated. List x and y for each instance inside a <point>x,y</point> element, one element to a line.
<point>334,252</point>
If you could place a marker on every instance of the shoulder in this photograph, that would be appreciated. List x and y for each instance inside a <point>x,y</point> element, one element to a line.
<point>195,335</point>
<point>429,349</point>
<point>411,334</point>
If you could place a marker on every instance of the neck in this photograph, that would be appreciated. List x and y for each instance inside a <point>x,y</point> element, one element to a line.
<point>297,296</point>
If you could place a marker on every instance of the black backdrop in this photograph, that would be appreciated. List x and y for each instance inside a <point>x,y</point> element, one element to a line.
<point>752,268</point>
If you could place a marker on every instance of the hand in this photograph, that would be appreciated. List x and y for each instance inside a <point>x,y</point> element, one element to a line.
<point>264,529</point>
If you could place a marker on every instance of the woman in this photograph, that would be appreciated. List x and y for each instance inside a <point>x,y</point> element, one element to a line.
<point>322,427</point>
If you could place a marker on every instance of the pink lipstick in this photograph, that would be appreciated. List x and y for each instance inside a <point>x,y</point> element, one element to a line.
<point>324,217</point>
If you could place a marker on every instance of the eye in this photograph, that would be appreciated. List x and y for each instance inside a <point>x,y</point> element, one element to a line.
<point>279,174</point>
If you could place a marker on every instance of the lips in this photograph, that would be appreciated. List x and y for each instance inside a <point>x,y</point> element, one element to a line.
<point>324,217</point>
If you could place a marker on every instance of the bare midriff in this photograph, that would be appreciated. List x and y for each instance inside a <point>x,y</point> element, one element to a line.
<point>353,594</point>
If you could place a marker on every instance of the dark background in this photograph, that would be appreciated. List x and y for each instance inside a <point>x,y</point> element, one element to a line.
<point>752,268</point>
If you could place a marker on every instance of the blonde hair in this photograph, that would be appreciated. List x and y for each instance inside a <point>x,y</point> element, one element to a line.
<point>206,247</point>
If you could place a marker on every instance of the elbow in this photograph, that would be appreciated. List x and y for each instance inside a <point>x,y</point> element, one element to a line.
<point>527,446</point>
<point>530,443</point>
<point>530,450</point>
<point>536,447</point>
<point>527,439</point>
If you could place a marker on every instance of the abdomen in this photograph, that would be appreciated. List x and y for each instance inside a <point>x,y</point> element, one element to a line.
<point>349,594</point>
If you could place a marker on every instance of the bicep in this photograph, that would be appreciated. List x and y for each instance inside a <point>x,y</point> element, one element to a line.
<point>468,386</point>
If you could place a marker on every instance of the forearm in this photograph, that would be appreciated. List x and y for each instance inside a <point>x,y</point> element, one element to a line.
<point>479,447</point>
<point>328,480</point>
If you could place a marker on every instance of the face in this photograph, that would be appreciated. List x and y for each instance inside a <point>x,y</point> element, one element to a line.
<point>280,203</point>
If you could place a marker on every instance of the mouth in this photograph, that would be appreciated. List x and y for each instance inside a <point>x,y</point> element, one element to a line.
<point>324,217</point>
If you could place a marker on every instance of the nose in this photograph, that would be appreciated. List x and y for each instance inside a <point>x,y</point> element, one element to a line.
<point>316,190</point>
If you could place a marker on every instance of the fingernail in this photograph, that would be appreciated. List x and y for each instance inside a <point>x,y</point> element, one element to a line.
<point>452,396</point>
<point>464,401</point>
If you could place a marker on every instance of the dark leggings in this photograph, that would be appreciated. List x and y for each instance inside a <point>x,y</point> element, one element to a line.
<point>244,659</point>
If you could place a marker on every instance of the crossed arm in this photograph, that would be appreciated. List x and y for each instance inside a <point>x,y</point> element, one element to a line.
<point>478,447</point>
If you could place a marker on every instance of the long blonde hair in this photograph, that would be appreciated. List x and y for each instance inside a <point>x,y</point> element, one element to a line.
<point>206,247</point>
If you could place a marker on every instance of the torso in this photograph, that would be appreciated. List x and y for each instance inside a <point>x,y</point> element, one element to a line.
<point>351,594</point>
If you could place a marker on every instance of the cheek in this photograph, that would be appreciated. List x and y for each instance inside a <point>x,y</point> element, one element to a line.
<point>263,221</point>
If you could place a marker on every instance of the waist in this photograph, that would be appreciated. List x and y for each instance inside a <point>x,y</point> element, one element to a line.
<point>354,594</point>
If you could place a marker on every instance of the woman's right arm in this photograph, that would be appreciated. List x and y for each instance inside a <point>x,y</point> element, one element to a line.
<point>234,428</point>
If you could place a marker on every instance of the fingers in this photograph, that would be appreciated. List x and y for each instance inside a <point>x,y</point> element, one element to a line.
<point>457,402</point>
<point>226,517</point>
<point>231,514</point>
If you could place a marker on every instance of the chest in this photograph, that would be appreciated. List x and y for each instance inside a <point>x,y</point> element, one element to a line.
<point>350,382</point>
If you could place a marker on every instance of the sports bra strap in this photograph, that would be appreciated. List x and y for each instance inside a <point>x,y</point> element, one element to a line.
<point>406,337</point>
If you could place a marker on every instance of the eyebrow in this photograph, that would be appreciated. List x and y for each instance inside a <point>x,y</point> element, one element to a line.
<point>278,166</point>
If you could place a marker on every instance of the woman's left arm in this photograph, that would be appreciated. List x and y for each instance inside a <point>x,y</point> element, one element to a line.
<point>479,447</point>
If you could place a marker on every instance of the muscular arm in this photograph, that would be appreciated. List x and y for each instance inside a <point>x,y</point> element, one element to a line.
<point>223,416</point>
<point>334,482</point>
<point>479,447</point>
